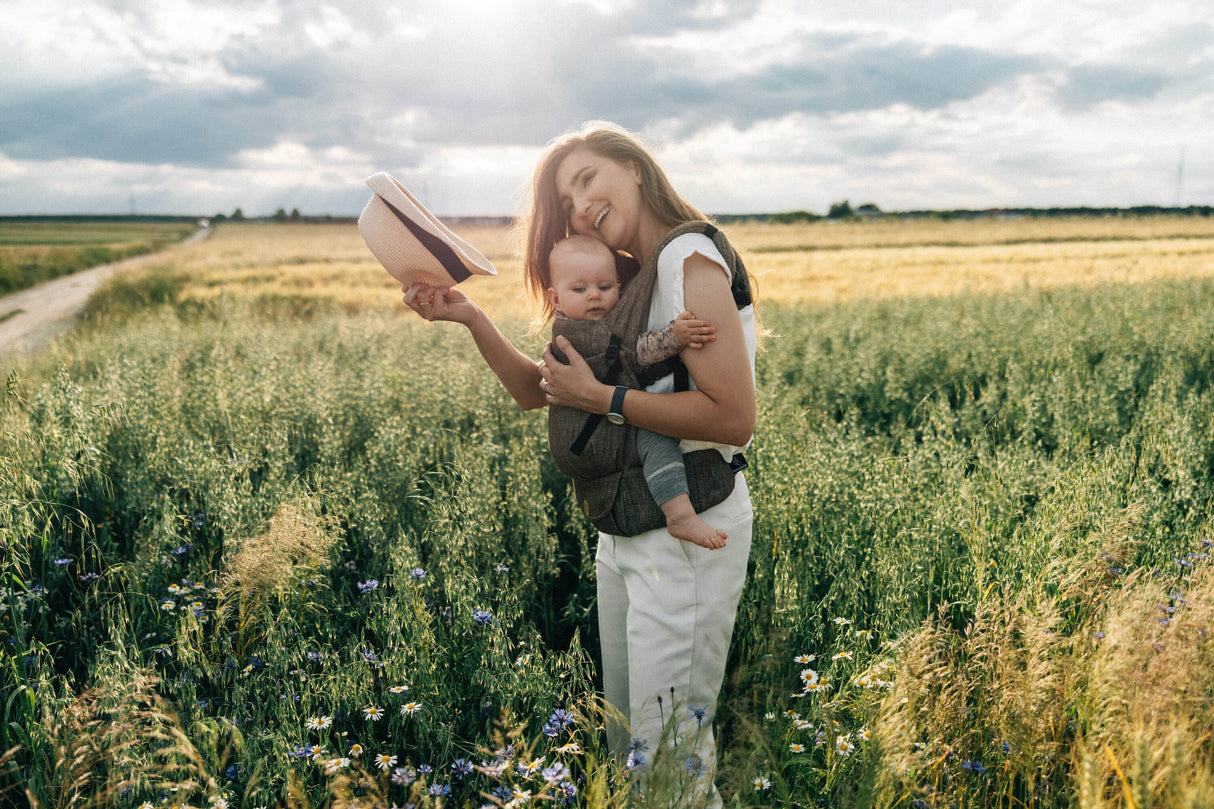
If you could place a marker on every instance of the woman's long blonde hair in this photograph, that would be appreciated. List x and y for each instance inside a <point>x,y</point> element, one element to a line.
<point>545,222</point>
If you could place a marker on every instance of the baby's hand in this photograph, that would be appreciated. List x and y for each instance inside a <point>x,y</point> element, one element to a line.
<point>692,332</point>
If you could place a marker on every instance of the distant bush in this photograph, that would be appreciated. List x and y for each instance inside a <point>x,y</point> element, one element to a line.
<point>793,217</point>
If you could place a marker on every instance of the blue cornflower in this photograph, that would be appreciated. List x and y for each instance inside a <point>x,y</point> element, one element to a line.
<point>562,718</point>
<point>88,577</point>
<point>315,657</point>
<point>439,790</point>
<point>417,573</point>
<point>637,745</point>
<point>425,769</point>
<point>557,772</point>
<point>200,520</point>
<point>566,792</point>
<point>694,766</point>
<point>461,767</point>
<point>502,569</point>
<point>66,560</point>
<point>699,712</point>
<point>635,761</point>
<point>975,766</point>
<point>232,772</point>
<point>482,617</point>
<point>301,752</point>
<point>502,793</point>
<point>369,656</point>
<point>182,549</point>
<point>367,586</point>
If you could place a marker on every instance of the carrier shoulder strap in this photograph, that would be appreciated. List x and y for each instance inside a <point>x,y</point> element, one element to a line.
<point>739,287</point>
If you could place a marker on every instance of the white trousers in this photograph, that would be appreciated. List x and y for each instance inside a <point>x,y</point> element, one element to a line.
<point>666,615</point>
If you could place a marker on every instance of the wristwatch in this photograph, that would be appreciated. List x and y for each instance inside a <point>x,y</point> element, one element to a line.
<point>616,414</point>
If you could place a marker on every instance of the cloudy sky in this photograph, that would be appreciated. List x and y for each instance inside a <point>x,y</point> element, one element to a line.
<point>202,106</point>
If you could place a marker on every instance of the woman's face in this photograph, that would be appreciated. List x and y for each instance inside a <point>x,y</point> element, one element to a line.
<point>600,197</point>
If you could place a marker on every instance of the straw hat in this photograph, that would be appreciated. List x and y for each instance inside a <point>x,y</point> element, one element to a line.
<point>411,243</point>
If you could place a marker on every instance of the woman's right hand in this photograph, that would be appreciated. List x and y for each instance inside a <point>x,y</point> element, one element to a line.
<point>439,303</point>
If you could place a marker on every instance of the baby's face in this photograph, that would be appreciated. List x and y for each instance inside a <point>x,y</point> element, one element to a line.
<point>583,287</point>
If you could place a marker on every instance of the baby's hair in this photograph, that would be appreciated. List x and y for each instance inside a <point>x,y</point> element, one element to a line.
<point>578,244</point>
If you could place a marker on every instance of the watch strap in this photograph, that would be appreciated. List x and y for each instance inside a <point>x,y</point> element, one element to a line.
<point>617,404</point>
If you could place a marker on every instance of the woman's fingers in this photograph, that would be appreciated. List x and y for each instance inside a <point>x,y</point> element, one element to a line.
<point>572,383</point>
<point>428,301</point>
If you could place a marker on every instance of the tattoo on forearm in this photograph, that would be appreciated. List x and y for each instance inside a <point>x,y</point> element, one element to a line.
<point>655,346</point>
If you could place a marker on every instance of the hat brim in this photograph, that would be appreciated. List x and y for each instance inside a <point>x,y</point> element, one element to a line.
<point>410,242</point>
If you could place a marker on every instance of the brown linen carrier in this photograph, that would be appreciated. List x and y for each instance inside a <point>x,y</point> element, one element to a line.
<point>601,457</point>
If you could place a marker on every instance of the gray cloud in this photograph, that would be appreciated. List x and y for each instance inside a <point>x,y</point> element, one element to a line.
<point>1088,85</point>
<point>133,119</point>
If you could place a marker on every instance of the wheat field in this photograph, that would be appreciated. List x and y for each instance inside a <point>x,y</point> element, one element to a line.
<point>819,263</point>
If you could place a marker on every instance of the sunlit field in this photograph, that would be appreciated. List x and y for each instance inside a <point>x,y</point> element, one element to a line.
<point>821,263</point>
<point>270,540</point>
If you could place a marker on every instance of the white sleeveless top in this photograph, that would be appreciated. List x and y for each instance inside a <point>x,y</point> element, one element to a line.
<point>667,304</point>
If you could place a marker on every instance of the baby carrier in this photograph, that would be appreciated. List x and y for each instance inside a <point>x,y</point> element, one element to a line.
<point>601,457</point>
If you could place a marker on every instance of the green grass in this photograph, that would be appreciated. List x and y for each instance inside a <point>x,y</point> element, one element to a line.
<point>959,502</point>
<point>33,252</point>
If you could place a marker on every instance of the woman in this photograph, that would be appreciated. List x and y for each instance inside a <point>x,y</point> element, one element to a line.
<point>666,607</point>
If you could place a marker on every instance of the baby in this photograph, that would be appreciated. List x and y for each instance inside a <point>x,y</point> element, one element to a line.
<point>584,286</point>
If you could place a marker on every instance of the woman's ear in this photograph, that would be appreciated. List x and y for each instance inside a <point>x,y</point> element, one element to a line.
<point>552,298</point>
<point>636,172</point>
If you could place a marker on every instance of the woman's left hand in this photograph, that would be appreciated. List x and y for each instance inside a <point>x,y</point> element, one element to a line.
<point>572,385</point>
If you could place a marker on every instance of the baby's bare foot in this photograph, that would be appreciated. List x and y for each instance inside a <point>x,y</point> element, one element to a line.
<point>693,529</point>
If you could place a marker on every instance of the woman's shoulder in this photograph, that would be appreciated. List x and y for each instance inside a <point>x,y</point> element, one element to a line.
<point>682,247</point>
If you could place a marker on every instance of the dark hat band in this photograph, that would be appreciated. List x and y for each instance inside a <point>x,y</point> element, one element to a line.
<point>435,246</point>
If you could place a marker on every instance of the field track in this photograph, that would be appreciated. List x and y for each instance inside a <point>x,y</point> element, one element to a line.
<point>31,318</point>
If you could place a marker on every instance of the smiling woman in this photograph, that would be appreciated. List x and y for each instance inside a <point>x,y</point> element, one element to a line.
<point>666,606</point>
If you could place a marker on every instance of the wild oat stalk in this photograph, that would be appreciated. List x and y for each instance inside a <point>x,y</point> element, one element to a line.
<point>1148,703</point>
<point>94,747</point>
<point>296,541</point>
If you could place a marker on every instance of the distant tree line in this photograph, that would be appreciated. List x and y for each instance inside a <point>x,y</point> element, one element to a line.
<point>843,211</point>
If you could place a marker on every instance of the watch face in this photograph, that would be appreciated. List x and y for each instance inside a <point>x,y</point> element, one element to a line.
<point>615,418</point>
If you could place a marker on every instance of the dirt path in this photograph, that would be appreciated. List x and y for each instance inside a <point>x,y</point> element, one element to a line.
<point>31,318</point>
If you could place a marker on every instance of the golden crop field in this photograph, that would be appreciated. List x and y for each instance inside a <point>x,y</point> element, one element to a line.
<point>819,262</point>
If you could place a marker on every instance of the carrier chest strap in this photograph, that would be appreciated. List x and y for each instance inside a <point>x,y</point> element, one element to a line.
<point>611,375</point>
